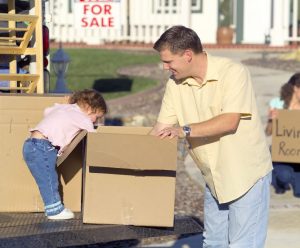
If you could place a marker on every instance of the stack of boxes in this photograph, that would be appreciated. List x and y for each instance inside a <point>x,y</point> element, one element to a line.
<point>117,175</point>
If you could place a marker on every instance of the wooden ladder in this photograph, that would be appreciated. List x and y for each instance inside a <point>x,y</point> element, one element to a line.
<point>28,41</point>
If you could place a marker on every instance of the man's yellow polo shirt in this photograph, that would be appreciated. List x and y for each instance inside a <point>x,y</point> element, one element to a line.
<point>231,164</point>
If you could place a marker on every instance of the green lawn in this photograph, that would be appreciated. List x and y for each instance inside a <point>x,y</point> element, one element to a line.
<point>90,66</point>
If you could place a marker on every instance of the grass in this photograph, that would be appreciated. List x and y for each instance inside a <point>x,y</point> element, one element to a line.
<point>89,66</point>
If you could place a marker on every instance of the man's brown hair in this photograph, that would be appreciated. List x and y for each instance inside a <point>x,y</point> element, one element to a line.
<point>177,39</point>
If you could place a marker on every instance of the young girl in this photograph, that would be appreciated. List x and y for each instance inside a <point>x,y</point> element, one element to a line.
<point>61,123</point>
<point>285,174</point>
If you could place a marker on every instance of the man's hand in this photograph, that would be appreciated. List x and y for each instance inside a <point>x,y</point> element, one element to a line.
<point>166,130</point>
<point>171,132</point>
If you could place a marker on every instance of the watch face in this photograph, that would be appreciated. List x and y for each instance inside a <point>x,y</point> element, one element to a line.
<point>187,130</point>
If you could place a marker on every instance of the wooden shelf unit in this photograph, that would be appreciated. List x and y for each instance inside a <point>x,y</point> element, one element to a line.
<point>16,41</point>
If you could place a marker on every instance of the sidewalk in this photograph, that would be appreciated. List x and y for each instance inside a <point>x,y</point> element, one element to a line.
<point>284,224</point>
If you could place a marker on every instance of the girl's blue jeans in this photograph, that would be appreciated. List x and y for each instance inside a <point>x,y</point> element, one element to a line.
<point>40,156</point>
<point>241,223</point>
<point>285,175</point>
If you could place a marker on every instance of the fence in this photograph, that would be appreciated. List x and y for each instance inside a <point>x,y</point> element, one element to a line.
<point>141,21</point>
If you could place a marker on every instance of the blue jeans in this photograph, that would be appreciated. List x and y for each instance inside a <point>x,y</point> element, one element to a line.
<point>241,223</point>
<point>40,156</point>
<point>285,175</point>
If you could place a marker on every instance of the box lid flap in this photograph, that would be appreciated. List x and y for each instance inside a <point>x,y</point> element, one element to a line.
<point>29,101</point>
<point>131,151</point>
<point>71,147</point>
<point>124,130</point>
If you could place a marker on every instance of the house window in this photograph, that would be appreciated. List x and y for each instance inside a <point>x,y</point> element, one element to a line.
<point>226,10</point>
<point>272,14</point>
<point>164,6</point>
<point>197,6</point>
<point>70,6</point>
<point>171,6</point>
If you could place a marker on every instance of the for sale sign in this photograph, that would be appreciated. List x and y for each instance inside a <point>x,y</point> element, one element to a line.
<point>95,14</point>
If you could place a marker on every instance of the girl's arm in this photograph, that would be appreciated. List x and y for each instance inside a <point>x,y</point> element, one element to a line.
<point>273,114</point>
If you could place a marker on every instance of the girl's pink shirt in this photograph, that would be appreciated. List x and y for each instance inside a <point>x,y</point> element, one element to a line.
<point>62,122</point>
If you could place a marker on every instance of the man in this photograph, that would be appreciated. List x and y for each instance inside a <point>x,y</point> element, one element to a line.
<point>213,101</point>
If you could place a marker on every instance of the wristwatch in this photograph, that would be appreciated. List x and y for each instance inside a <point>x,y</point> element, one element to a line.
<point>187,130</point>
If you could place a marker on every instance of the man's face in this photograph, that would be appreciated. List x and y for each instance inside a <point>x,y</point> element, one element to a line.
<point>177,63</point>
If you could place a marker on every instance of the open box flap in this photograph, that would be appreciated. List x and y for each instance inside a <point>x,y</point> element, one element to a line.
<point>71,147</point>
<point>124,130</point>
<point>136,151</point>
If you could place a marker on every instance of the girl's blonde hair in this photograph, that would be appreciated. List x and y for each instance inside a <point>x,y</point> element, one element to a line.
<point>89,98</point>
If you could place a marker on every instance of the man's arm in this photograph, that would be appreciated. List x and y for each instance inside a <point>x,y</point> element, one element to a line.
<point>217,126</point>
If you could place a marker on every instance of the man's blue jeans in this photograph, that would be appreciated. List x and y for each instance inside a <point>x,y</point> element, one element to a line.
<point>241,223</point>
<point>40,156</point>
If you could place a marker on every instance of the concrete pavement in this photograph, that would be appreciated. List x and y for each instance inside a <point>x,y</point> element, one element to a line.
<point>284,224</point>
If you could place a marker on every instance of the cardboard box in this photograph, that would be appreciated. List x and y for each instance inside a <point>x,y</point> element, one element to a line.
<point>286,137</point>
<point>18,190</point>
<point>129,178</point>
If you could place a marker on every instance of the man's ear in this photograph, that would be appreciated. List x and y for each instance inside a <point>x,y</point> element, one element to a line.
<point>188,53</point>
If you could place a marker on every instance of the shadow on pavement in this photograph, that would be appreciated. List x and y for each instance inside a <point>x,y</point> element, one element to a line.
<point>112,84</point>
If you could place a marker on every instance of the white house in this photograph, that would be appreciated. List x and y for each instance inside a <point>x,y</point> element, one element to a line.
<point>253,21</point>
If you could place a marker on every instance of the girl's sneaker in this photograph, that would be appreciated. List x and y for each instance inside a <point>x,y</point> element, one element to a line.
<point>63,215</point>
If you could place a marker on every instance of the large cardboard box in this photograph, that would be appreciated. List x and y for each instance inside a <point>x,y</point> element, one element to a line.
<point>286,137</point>
<point>18,190</point>
<point>129,177</point>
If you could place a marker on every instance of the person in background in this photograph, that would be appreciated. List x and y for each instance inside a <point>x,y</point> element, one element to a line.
<point>285,175</point>
<point>61,123</point>
<point>212,100</point>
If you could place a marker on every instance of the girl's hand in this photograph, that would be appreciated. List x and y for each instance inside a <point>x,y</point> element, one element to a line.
<point>273,114</point>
